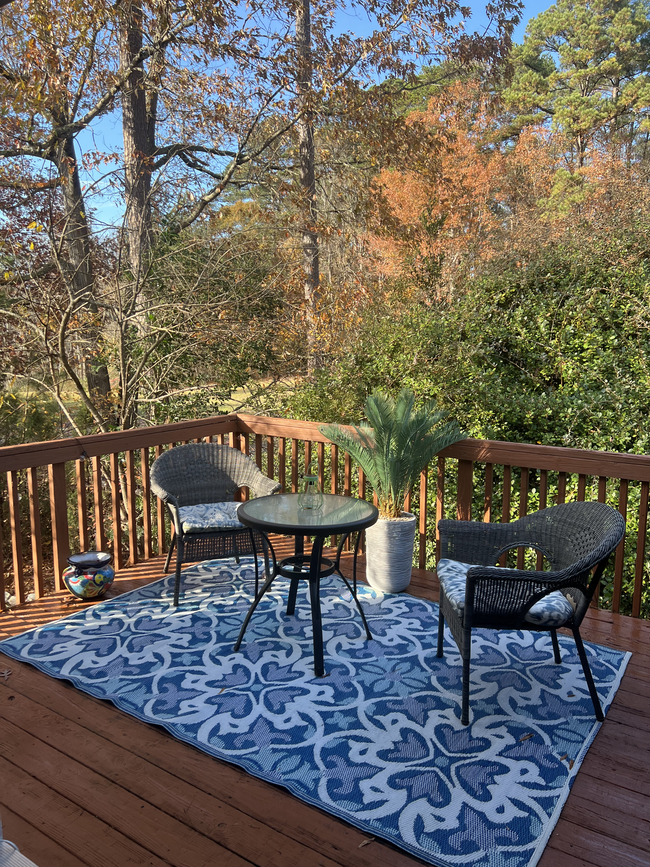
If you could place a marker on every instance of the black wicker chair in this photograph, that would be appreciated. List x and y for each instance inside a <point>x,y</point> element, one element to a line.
<point>576,539</point>
<point>198,483</point>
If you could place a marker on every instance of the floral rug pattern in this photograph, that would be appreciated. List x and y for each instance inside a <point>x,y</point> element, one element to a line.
<point>378,741</point>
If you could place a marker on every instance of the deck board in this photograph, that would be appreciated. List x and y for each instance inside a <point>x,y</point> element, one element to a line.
<point>84,785</point>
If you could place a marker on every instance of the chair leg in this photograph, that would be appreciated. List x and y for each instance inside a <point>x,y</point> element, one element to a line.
<point>556,647</point>
<point>587,673</point>
<point>441,633</point>
<point>169,553</point>
<point>177,581</point>
<point>466,653</point>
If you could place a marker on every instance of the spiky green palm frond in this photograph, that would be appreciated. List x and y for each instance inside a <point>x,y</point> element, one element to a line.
<point>397,446</point>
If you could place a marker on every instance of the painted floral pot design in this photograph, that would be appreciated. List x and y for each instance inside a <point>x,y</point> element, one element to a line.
<point>89,574</point>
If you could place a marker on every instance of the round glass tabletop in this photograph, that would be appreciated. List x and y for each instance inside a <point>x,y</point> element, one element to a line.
<point>282,513</point>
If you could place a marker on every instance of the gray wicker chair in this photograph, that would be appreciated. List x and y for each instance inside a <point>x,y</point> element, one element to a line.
<point>198,483</point>
<point>576,539</point>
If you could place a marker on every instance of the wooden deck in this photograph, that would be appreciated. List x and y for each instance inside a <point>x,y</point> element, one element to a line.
<point>82,783</point>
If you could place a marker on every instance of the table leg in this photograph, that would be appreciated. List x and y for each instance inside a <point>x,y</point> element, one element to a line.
<point>314,598</point>
<point>299,550</point>
<point>353,589</point>
<point>256,602</point>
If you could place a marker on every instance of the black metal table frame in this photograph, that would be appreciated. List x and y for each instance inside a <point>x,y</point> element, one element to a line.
<point>319,567</point>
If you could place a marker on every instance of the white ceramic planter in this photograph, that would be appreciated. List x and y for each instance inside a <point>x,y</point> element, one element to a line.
<point>389,553</point>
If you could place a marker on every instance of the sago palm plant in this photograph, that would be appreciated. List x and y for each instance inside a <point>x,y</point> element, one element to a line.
<point>396,446</point>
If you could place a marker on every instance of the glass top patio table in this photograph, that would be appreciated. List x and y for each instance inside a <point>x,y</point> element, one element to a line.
<point>282,513</point>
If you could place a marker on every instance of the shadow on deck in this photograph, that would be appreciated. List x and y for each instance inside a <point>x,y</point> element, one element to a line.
<point>82,783</point>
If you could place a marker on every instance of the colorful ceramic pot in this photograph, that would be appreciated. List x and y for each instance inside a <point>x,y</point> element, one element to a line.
<point>89,574</point>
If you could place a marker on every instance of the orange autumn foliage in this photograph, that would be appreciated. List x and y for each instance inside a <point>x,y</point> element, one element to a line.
<point>457,202</point>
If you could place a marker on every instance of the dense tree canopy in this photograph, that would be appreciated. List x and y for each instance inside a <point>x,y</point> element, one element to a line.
<point>216,102</point>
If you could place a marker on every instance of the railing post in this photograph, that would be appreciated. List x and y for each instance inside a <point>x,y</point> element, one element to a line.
<point>60,529</point>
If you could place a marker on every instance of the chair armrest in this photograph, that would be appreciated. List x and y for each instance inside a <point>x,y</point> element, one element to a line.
<point>475,541</point>
<point>172,504</point>
<point>263,486</point>
<point>502,597</point>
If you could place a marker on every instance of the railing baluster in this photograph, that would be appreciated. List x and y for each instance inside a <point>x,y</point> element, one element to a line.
<point>422,544</point>
<point>147,531</point>
<point>60,531</point>
<point>35,525</point>
<point>130,508</point>
<point>487,499</point>
<point>115,511</point>
<point>561,488</point>
<point>160,514</point>
<point>321,465</point>
<point>505,505</point>
<point>543,488</point>
<point>582,487</point>
<point>334,487</point>
<point>98,497</point>
<point>639,562</point>
<point>294,466</point>
<point>307,454</point>
<point>270,457</point>
<point>440,501</point>
<point>16,536</point>
<point>523,508</point>
<point>347,486</point>
<point>245,446</point>
<point>282,462</point>
<point>507,484</point>
<point>465,490</point>
<point>602,489</point>
<point>258,450</point>
<point>3,604</point>
<point>347,476</point>
<point>543,496</point>
<point>82,506</point>
<point>620,551</point>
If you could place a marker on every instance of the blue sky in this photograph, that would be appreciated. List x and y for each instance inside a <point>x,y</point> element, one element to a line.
<point>531,10</point>
<point>107,134</point>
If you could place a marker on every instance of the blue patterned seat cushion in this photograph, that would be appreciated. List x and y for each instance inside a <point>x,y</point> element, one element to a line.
<point>552,611</point>
<point>210,516</point>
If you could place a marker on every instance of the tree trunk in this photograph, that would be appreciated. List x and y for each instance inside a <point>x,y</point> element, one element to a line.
<point>138,133</point>
<point>138,130</point>
<point>76,267</point>
<point>307,164</point>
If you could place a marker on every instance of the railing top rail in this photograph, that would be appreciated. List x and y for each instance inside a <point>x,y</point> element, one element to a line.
<point>595,463</point>
<point>20,457</point>
<point>614,465</point>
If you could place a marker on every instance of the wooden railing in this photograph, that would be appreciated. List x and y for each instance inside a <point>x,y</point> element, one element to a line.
<point>94,492</point>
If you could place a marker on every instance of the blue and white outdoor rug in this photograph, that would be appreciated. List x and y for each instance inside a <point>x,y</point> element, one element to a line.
<point>378,742</point>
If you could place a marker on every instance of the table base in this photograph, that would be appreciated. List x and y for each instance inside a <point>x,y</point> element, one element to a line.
<point>319,567</point>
